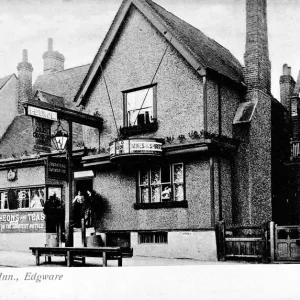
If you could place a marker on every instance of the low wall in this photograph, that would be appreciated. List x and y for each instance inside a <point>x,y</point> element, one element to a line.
<point>200,245</point>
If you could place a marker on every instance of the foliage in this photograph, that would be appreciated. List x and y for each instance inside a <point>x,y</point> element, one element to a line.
<point>195,135</point>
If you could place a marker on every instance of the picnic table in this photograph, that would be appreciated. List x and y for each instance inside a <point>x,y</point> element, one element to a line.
<point>79,253</point>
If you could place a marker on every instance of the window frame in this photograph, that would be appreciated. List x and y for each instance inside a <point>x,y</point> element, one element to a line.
<point>154,104</point>
<point>155,236</point>
<point>24,188</point>
<point>156,204</point>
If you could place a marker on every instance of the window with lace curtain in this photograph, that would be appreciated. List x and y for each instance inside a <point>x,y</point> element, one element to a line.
<point>161,184</point>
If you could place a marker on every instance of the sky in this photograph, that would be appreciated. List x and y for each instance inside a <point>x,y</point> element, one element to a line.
<point>79,26</point>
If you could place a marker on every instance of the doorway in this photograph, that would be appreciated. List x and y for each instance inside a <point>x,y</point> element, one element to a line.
<point>82,185</point>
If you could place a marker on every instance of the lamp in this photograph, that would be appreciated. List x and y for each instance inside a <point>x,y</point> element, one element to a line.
<point>60,137</point>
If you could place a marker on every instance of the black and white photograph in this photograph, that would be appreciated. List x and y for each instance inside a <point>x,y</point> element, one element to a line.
<point>149,149</point>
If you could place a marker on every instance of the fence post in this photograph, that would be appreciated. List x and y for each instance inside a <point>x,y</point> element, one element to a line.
<point>265,250</point>
<point>83,233</point>
<point>272,241</point>
<point>220,232</point>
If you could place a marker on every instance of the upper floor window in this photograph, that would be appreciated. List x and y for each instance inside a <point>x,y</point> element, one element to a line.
<point>140,106</point>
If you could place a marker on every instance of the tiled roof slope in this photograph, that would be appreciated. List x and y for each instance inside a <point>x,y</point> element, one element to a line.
<point>4,80</point>
<point>18,137</point>
<point>50,98</point>
<point>63,83</point>
<point>211,54</point>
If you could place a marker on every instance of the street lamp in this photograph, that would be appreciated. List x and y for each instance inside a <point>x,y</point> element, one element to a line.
<point>60,137</point>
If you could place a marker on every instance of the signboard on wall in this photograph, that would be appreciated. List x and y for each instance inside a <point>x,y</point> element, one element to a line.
<point>57,168</point>
<point>42,135</point>
<point>134,146</point>
<point>22,222</point>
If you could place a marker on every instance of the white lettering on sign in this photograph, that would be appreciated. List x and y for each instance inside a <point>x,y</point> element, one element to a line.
<point>135,146</point>
<point>42,113</point>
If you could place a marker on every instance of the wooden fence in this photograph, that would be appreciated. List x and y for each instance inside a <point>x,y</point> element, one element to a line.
<point>243,243</point>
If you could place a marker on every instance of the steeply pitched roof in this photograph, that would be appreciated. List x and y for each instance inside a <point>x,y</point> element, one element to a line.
<point>199,50</point>
<point>62,84</point>
<point>210,53</point>
<point>4,80</point>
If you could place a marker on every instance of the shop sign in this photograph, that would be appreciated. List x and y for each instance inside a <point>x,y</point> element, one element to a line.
<point>42,135</point>
<point>22,222</point>
<point>42,113</point>
<point>134,146</point>
<point>57,168</point>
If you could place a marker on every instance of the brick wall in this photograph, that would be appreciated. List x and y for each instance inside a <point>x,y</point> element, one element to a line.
<point>257,63</point>
<point>287,86</point>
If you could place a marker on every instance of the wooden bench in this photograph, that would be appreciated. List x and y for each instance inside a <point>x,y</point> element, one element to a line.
<point>76,253</point>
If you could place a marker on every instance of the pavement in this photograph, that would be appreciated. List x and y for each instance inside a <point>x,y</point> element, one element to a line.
<point>17,259</point>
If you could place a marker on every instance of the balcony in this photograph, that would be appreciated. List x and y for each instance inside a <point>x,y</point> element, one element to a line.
<point>139,129</point>
<point>295,150</point>
<point>133,150</point>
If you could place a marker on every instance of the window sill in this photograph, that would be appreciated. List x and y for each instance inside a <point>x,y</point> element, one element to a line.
<point>134,130</point>
<point>21,209</point>
<point>167,204</point>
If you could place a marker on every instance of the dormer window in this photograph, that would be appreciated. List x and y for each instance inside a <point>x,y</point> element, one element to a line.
<point>140,106</point>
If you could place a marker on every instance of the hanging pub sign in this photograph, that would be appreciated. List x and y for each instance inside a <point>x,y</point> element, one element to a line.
<point>57,168</point>
<point>42,135</point>
<point>42,113</point>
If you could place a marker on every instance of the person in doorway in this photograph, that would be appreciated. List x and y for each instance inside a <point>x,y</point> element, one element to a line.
<point>78,202</point>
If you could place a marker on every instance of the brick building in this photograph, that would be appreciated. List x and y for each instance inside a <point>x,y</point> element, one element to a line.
<point>24,174</point>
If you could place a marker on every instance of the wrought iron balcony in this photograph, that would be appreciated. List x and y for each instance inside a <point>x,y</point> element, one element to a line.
<point>295,150</point>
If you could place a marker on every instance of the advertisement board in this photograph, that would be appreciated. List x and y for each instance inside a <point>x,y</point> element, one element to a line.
<point>22,221</point>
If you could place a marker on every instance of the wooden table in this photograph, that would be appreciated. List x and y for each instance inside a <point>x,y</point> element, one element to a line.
<point>75,253</point>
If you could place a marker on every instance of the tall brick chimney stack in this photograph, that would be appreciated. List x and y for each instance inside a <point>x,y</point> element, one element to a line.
<point>53,60</point>
<point>287,86</point>
<point>257,70</point>
<point>25,81</point>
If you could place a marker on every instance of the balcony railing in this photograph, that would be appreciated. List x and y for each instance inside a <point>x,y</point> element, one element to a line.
<point>295,149</point>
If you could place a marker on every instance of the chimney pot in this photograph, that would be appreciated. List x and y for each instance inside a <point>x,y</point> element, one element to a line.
<point>286,70</point>
<point>25,56</point>
<point>50,44</point>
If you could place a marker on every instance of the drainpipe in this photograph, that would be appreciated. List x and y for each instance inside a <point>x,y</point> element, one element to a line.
<point>212,191</point>
<point>204,103</point>
<point>219,157</point>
